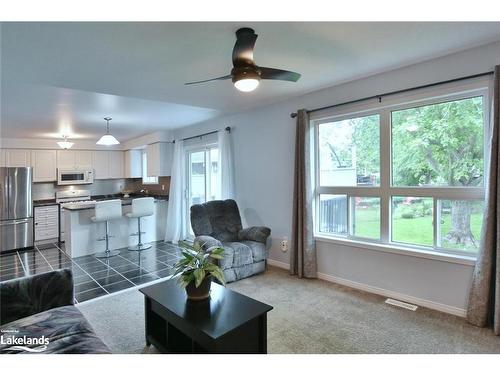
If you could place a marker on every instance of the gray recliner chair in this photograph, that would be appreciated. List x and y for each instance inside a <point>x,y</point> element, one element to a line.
<point>218,223</point>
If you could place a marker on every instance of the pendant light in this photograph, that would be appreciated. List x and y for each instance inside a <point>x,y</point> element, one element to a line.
<point>65,144</point>
<point>107,139</point>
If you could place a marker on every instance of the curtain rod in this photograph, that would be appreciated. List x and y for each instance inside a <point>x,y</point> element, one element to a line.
<point>379,96</point>
<point>227,128</point>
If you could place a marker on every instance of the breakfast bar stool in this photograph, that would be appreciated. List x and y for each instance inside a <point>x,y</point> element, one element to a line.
<point>141,207</point>
<point>106,211</point>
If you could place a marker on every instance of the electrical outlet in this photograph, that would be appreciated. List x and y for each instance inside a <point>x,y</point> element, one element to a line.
<point>162,187</point>
<point>284,244</point>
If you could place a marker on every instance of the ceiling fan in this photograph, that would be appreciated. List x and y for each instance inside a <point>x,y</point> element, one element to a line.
<point>245,74</point>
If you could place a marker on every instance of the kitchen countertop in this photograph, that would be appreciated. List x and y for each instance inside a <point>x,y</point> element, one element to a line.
<point>125,201</point>
<point>45,202</point>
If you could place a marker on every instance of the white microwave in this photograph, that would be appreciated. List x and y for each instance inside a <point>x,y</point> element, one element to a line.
<point>75,177</point>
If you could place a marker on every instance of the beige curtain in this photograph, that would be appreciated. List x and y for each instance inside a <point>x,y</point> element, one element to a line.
<point>484,297</point>
<point>303,251</point>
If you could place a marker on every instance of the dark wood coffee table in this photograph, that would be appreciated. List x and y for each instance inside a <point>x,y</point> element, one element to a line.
<point>228,322</point>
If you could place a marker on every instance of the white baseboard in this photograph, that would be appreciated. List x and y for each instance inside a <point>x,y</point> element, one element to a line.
<point>277,263</point>
<point>380,291</point>
<point>396,295</point>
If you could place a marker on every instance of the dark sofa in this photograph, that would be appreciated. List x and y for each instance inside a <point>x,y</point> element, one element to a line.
<point>42,305</point>
<point>218,223</point>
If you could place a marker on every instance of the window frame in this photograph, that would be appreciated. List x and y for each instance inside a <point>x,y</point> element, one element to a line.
<point>385,191</point>
<point>204,147</point>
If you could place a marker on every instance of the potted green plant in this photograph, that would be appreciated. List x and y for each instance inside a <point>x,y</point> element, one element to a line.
<point>195,270</point>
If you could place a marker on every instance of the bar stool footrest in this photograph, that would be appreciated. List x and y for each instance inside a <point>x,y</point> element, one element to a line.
<point>107,254</point>
<point>140,247</point>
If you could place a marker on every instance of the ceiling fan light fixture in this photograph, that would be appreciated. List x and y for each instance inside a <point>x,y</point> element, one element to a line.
<point>246,84</point>
<point>107,139</point>
<point>246,80</point>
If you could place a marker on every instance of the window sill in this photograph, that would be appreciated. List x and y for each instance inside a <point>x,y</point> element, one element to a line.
<point>400,250</point>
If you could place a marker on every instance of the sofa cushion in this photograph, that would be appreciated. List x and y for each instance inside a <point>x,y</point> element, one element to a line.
<point>236,254</point>
<point>66,328</point>
<point>258,250</point>
<point>219,219</point>
<point>237,273</point>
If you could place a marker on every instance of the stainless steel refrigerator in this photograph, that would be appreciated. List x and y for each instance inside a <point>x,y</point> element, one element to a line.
<point>16,208</point>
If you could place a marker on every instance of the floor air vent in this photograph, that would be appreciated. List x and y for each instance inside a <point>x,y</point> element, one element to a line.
<point>402,304</point>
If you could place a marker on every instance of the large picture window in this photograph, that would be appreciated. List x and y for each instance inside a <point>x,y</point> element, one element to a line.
<point>408,173</point>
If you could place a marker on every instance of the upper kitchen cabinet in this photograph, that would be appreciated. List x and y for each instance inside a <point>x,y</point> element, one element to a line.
<point>133,164</point>
<point>159,157</point>
<point>83,159</point>
<point>73,159</point>
<point>17,158</point>
<point>108,164</point>
<point>116,164</point>
<point>44,165</point>
<point>100,161</point>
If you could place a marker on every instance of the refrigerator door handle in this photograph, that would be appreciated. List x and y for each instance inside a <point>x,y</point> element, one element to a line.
<point>13,222</point>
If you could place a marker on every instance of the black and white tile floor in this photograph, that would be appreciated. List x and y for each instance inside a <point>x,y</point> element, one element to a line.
<point>94,277</point>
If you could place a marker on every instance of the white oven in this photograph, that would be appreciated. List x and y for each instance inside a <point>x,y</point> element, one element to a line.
<point>74,177</point>
<point>69,196</point>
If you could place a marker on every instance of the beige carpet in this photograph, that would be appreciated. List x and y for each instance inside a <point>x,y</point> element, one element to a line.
<point>312,316</point>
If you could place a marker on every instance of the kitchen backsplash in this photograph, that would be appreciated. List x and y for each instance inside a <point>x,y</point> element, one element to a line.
<point>162,188</point>
<point>47,190</point>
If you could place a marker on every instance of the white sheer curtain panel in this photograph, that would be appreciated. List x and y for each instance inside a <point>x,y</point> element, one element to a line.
<point>174,230</point>
<point>226,175</point>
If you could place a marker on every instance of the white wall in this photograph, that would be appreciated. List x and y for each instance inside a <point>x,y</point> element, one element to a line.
<point>264,148</point>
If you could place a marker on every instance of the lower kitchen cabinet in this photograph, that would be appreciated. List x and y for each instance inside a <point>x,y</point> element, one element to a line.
<point>46,223</point>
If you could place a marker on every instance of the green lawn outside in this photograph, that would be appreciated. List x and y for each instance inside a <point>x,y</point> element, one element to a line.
<point>367,223</point>
<point>412,231</point>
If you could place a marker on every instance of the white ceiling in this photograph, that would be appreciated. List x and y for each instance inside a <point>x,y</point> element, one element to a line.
<point>57,75</point>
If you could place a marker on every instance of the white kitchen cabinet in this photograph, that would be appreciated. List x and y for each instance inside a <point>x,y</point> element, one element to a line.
<point>133,164</point>
<point>17,158</point>
<point>44,165</point>
<point>74,159</point>
<point>2,158</point>
<point>116,164</point>
<point>46,223</point>
<point>159,157</point>
<point>100,161</point>
<point>108,164</point>
<point>83,160</point>
<point>65,159</point>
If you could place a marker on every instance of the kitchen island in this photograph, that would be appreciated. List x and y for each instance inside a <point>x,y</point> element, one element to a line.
<point>82,234</point>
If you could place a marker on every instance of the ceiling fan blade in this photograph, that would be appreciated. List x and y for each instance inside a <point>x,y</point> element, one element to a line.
<point>282,75</point>
<point>208,80</point>
<point>243,48</point>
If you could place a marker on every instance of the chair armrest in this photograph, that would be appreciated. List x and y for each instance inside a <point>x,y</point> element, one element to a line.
<point>206,242</point>
<point>258,234</point>
<point>27,296</point>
